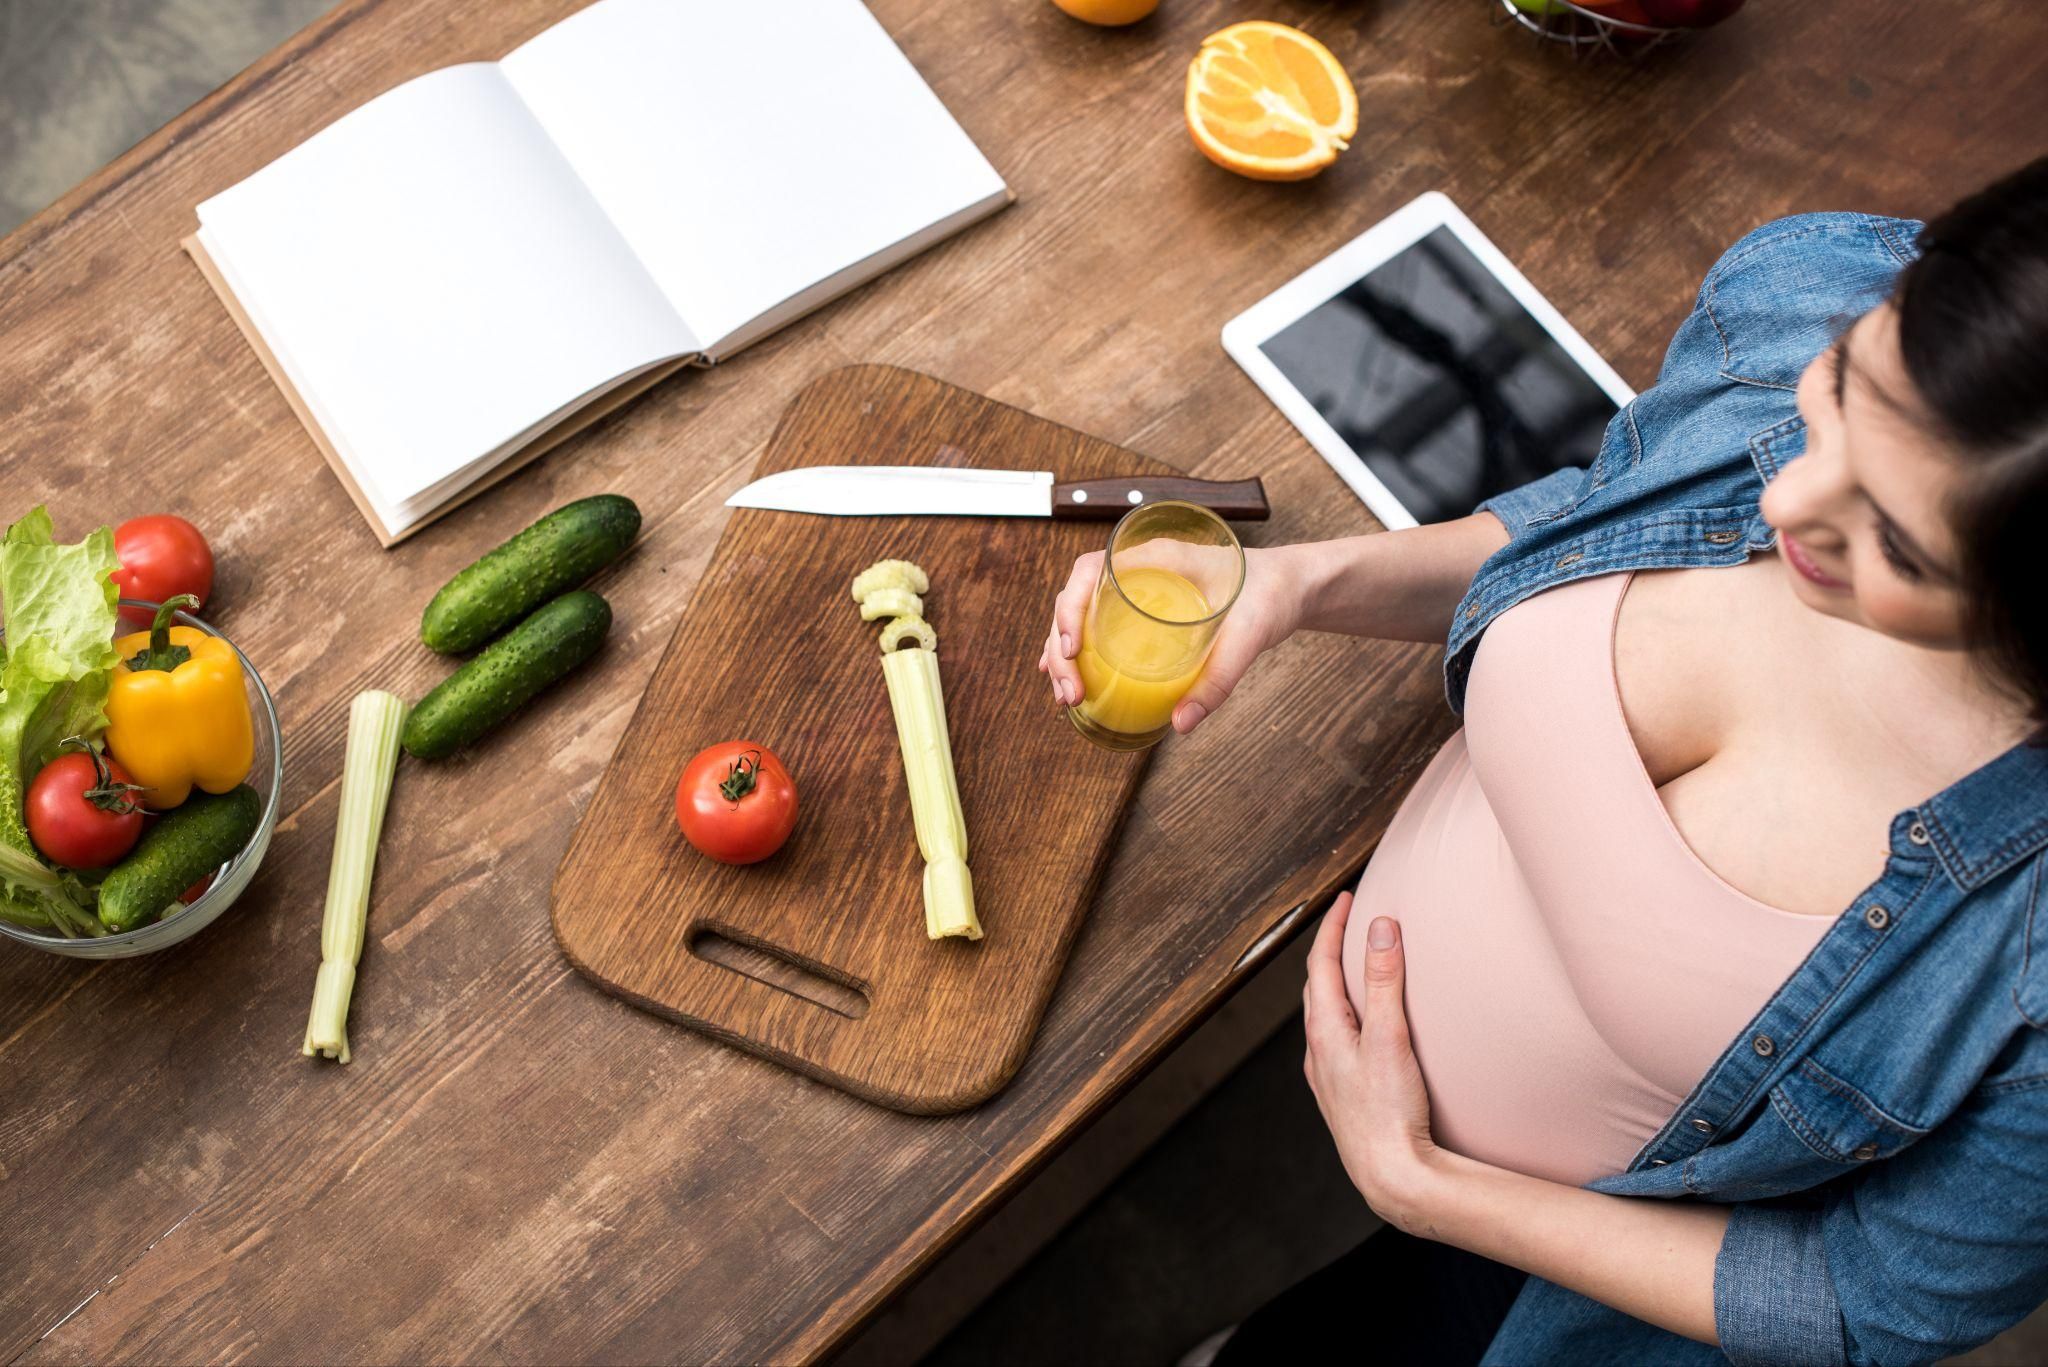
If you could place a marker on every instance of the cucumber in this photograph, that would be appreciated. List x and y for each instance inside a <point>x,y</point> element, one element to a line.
<point>552,556</point>
<point>506,673</point>
<point>180,847</point>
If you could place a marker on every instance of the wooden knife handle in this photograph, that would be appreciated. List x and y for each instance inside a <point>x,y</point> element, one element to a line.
<point>1105,500</point>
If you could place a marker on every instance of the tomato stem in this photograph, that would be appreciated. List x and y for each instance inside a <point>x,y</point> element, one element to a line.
<point>740,777</point>
<point>107,793</point>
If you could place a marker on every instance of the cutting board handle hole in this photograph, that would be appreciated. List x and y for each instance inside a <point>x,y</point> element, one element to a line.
<point>771,966</point>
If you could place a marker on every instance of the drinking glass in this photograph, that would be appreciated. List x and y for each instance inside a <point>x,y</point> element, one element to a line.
<point>1172,572</point>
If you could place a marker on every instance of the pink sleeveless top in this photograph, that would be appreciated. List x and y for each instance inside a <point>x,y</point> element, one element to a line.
<point>1573,967</point>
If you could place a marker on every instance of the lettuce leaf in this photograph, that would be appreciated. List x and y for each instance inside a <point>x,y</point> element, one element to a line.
<point>59,606</point>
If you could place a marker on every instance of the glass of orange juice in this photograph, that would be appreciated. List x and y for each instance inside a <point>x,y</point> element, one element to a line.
<point>1172,572</point>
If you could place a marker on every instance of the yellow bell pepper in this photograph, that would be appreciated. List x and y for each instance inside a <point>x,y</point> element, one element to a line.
<point>178,712</point>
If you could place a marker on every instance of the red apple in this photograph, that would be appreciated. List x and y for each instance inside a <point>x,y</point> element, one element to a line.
<point>1623,11</point>
<point>1689,13</point>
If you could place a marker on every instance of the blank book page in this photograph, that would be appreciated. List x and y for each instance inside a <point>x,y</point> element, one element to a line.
<point>436,278</point>
<point>748,151</point>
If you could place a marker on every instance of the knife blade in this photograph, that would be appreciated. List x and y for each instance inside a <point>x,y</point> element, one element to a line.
<point>927,490</point>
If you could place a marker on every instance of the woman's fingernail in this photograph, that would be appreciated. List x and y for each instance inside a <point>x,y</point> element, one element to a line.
<point>1066,645</point>
<point>1191,716</point>
<point>1380,934</point>
<point>1066,692</point>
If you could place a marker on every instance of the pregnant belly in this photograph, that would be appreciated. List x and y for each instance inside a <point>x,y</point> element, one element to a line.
<point>1517,1076</point>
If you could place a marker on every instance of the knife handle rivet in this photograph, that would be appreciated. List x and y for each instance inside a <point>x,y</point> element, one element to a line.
<point>1080,495</point>
<point>1134,496</point>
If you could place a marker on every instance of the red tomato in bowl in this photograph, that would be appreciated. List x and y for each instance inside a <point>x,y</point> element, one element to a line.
<point>736,802</point>
<point>79,813</point>
<point>161,557</point>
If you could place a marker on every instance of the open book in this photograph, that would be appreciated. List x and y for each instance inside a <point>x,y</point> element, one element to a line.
<point>482,261</point>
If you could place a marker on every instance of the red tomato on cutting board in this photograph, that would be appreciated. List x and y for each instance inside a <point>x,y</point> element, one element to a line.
<point>736,802</point>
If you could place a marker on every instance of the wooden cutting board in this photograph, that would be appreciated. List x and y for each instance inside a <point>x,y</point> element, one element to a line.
<point>817,957</point>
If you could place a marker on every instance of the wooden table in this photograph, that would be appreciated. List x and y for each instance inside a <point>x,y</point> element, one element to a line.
<point>518,1167</point>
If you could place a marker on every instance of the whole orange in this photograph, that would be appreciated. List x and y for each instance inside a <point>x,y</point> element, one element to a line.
<point>1108,13</point>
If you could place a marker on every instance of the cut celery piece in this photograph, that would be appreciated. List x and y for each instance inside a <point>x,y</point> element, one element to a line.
<point>891,603</point>
<point>889,574</point>
<point>919,706</point>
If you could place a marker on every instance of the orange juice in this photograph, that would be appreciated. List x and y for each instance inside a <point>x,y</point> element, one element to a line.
<point>1134,669</point>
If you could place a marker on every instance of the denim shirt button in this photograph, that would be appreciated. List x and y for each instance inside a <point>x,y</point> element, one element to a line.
<point>1876,917</point>
<point>1660,1162</point>
<point>1722,538</point>
<point>1471,612</point>
<point>1703,1126</point>
<point>1764,1046</point>
<point>1864,1153</point>
<point>1917,833</point>
<point>1565,562</point>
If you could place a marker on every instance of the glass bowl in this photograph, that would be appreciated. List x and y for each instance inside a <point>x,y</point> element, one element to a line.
<point>266,776</point>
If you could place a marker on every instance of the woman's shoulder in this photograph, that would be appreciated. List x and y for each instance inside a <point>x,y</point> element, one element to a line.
<point>1804,239</point>
<point>1781,294</point>
<point>1722,410</point>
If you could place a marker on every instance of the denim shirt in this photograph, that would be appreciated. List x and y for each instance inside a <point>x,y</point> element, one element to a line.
<point>1880,1129</point>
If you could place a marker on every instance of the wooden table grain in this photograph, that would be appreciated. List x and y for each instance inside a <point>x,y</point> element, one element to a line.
<point>517,1167</point>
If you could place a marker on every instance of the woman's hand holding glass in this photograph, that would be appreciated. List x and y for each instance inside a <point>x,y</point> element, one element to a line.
<point>1399,586</point>
<point>1267,612</point>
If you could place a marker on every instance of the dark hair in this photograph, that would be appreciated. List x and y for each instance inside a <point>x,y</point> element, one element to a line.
<point>1973,335</point>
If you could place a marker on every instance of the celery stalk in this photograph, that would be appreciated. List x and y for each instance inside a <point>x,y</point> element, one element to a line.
<point>919,707</point>
<point>374,722</point>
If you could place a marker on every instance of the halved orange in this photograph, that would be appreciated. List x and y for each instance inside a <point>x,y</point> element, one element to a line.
<point>1268,101</point>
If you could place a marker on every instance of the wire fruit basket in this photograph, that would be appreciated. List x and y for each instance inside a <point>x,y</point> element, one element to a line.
<point>1582,28</point>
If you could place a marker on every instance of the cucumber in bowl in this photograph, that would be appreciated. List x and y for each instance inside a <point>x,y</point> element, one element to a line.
<point>180,848</point>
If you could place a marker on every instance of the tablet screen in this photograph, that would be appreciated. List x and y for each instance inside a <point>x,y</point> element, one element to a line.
<point>1441,382</point>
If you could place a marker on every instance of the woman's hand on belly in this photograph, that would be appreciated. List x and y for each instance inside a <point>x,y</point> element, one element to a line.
<point>1648,1258</point>
<point>1363,1071</point>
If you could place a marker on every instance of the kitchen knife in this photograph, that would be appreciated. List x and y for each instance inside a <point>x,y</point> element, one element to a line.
<point>916,490</point>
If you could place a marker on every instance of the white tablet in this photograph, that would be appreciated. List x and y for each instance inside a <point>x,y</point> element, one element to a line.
<point>1425,369</point>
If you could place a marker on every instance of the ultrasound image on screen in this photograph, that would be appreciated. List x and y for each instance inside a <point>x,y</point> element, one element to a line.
<point>1441,381</point>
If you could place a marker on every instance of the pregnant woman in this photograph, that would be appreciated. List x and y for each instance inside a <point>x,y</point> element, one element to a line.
<point>1696,1001</point>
